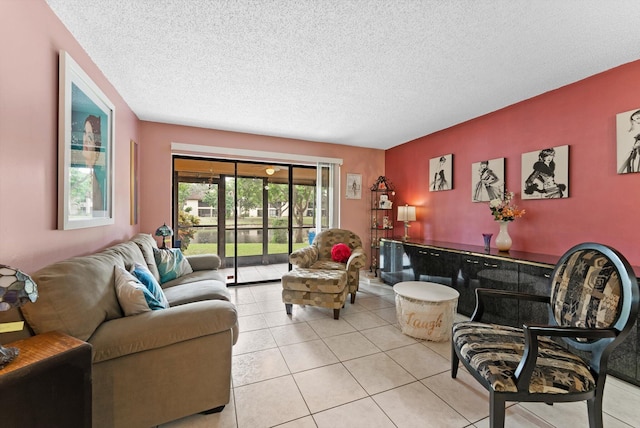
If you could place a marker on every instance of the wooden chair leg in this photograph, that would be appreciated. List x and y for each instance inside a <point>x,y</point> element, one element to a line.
<point>336,314</point>
<point>353,297</point>
<point>287,307</point>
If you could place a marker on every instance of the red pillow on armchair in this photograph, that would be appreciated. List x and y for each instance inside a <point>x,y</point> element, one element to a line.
<point>340,253</point>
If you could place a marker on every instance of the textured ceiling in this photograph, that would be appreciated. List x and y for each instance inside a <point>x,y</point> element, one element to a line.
<point>368,73</point>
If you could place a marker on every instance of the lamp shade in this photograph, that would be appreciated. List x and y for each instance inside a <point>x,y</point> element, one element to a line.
<point>164,231</point>
<point>16,288</point>
<point>406,213</point>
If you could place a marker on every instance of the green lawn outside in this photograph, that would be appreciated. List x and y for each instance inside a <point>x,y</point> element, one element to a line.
<point>253,249</point>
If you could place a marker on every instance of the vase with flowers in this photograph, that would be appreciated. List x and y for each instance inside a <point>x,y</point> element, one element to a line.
<point>504,211</point>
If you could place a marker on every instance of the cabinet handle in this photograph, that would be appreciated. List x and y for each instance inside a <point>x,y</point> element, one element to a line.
<point>488,265</point>
<point>547,275</point>
<point>435,254</point>
<point>475,262</point>
<point>423,252</point>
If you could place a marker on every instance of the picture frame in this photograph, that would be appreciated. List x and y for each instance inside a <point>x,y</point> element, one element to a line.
<point>441,173</point>
<point>628,141</point>
<point>545,173</point>
<point>134,183</point>
<point>487,180</point>
<point>354,186</point>
<point>86,132</point>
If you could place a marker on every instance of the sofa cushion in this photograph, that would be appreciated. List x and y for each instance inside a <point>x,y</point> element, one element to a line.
<point>157,329</point>
<point>171,264</point>
<point>147,244</point>
<point>197,291</point>
<point>134,297</point>
<point>76,295</point>
<point>142,274</point>
<point>199,275</point>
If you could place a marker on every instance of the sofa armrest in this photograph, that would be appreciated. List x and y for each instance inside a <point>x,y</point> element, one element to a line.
<point>156,329</point>
<point>204,262</point>
<point>304,257</point>
<point>357,260</point>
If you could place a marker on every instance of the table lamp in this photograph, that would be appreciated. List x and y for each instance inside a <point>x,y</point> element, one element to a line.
<point>16,289</point>
<point>406,213</point>
<point>164,231</point>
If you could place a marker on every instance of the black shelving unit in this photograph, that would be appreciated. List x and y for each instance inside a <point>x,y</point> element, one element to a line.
<point>381,218</point>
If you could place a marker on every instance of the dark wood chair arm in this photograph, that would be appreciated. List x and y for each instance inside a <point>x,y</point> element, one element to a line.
<point>482,293</point>
<point>532,331</point>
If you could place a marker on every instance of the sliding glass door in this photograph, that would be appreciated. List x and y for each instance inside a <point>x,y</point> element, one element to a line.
<point>252,214</point>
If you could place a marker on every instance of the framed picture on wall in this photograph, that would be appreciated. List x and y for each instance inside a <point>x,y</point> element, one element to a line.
<point>545,173</point>
<point>354,186</point>
<point>628,141</point>
<point>86,130</point>
<point>441,173</point>
<point>487,180</point>
<point>133,159</point>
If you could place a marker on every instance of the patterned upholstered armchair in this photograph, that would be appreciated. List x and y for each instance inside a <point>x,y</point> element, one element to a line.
<point>318,256</point>
<point>593,305</point>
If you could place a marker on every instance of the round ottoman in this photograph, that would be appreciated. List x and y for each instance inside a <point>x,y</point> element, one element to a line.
<point>425,310</point>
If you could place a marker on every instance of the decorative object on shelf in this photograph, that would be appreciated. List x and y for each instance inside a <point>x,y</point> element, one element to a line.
<point>545,173</point>
<point>16,289</point>
<point>385,203</point>
<point>386,224</point>
<point>164,231</point>
<point>406,214</point>
<point>503,240</point>
<point>487,241</point>
<point>504,211</point>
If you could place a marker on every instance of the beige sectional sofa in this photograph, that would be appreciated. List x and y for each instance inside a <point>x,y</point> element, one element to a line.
<point>152,367</point>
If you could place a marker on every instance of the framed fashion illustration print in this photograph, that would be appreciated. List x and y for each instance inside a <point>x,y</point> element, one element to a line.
<point>628,141</point>
<point>354,186</point>
<point>441,173</point>
<point>487,180</point>
<point>86,129</point>
<point>545,173</point>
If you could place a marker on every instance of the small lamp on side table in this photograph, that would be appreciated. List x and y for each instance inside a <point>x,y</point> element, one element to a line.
<point>406,214</point>
<point>164,231</point>
<point>16,289</point>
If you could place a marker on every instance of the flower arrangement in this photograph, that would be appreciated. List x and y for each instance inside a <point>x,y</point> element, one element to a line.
<point>504,209</point>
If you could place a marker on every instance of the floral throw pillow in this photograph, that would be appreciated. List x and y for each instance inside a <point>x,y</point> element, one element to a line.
<point>171,263</point>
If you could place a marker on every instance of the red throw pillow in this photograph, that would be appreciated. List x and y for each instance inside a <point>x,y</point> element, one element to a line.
<point>340,253</point>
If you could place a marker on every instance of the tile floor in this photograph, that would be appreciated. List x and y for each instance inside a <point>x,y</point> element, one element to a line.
<point>310,370</point>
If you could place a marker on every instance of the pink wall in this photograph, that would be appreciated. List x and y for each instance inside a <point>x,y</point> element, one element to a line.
<point>32,37</point>
<point>602,206</point>
<point>155,178</point>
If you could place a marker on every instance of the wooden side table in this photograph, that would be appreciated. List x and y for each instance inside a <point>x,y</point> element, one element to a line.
<point>48,384</point>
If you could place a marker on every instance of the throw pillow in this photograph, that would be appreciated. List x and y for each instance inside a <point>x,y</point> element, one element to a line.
<point>171,263</point>
<point>340,253</point>
<point>133,296</point>
<point>144,275</point>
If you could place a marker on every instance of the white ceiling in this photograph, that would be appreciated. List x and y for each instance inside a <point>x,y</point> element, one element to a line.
<point>370,73</point>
